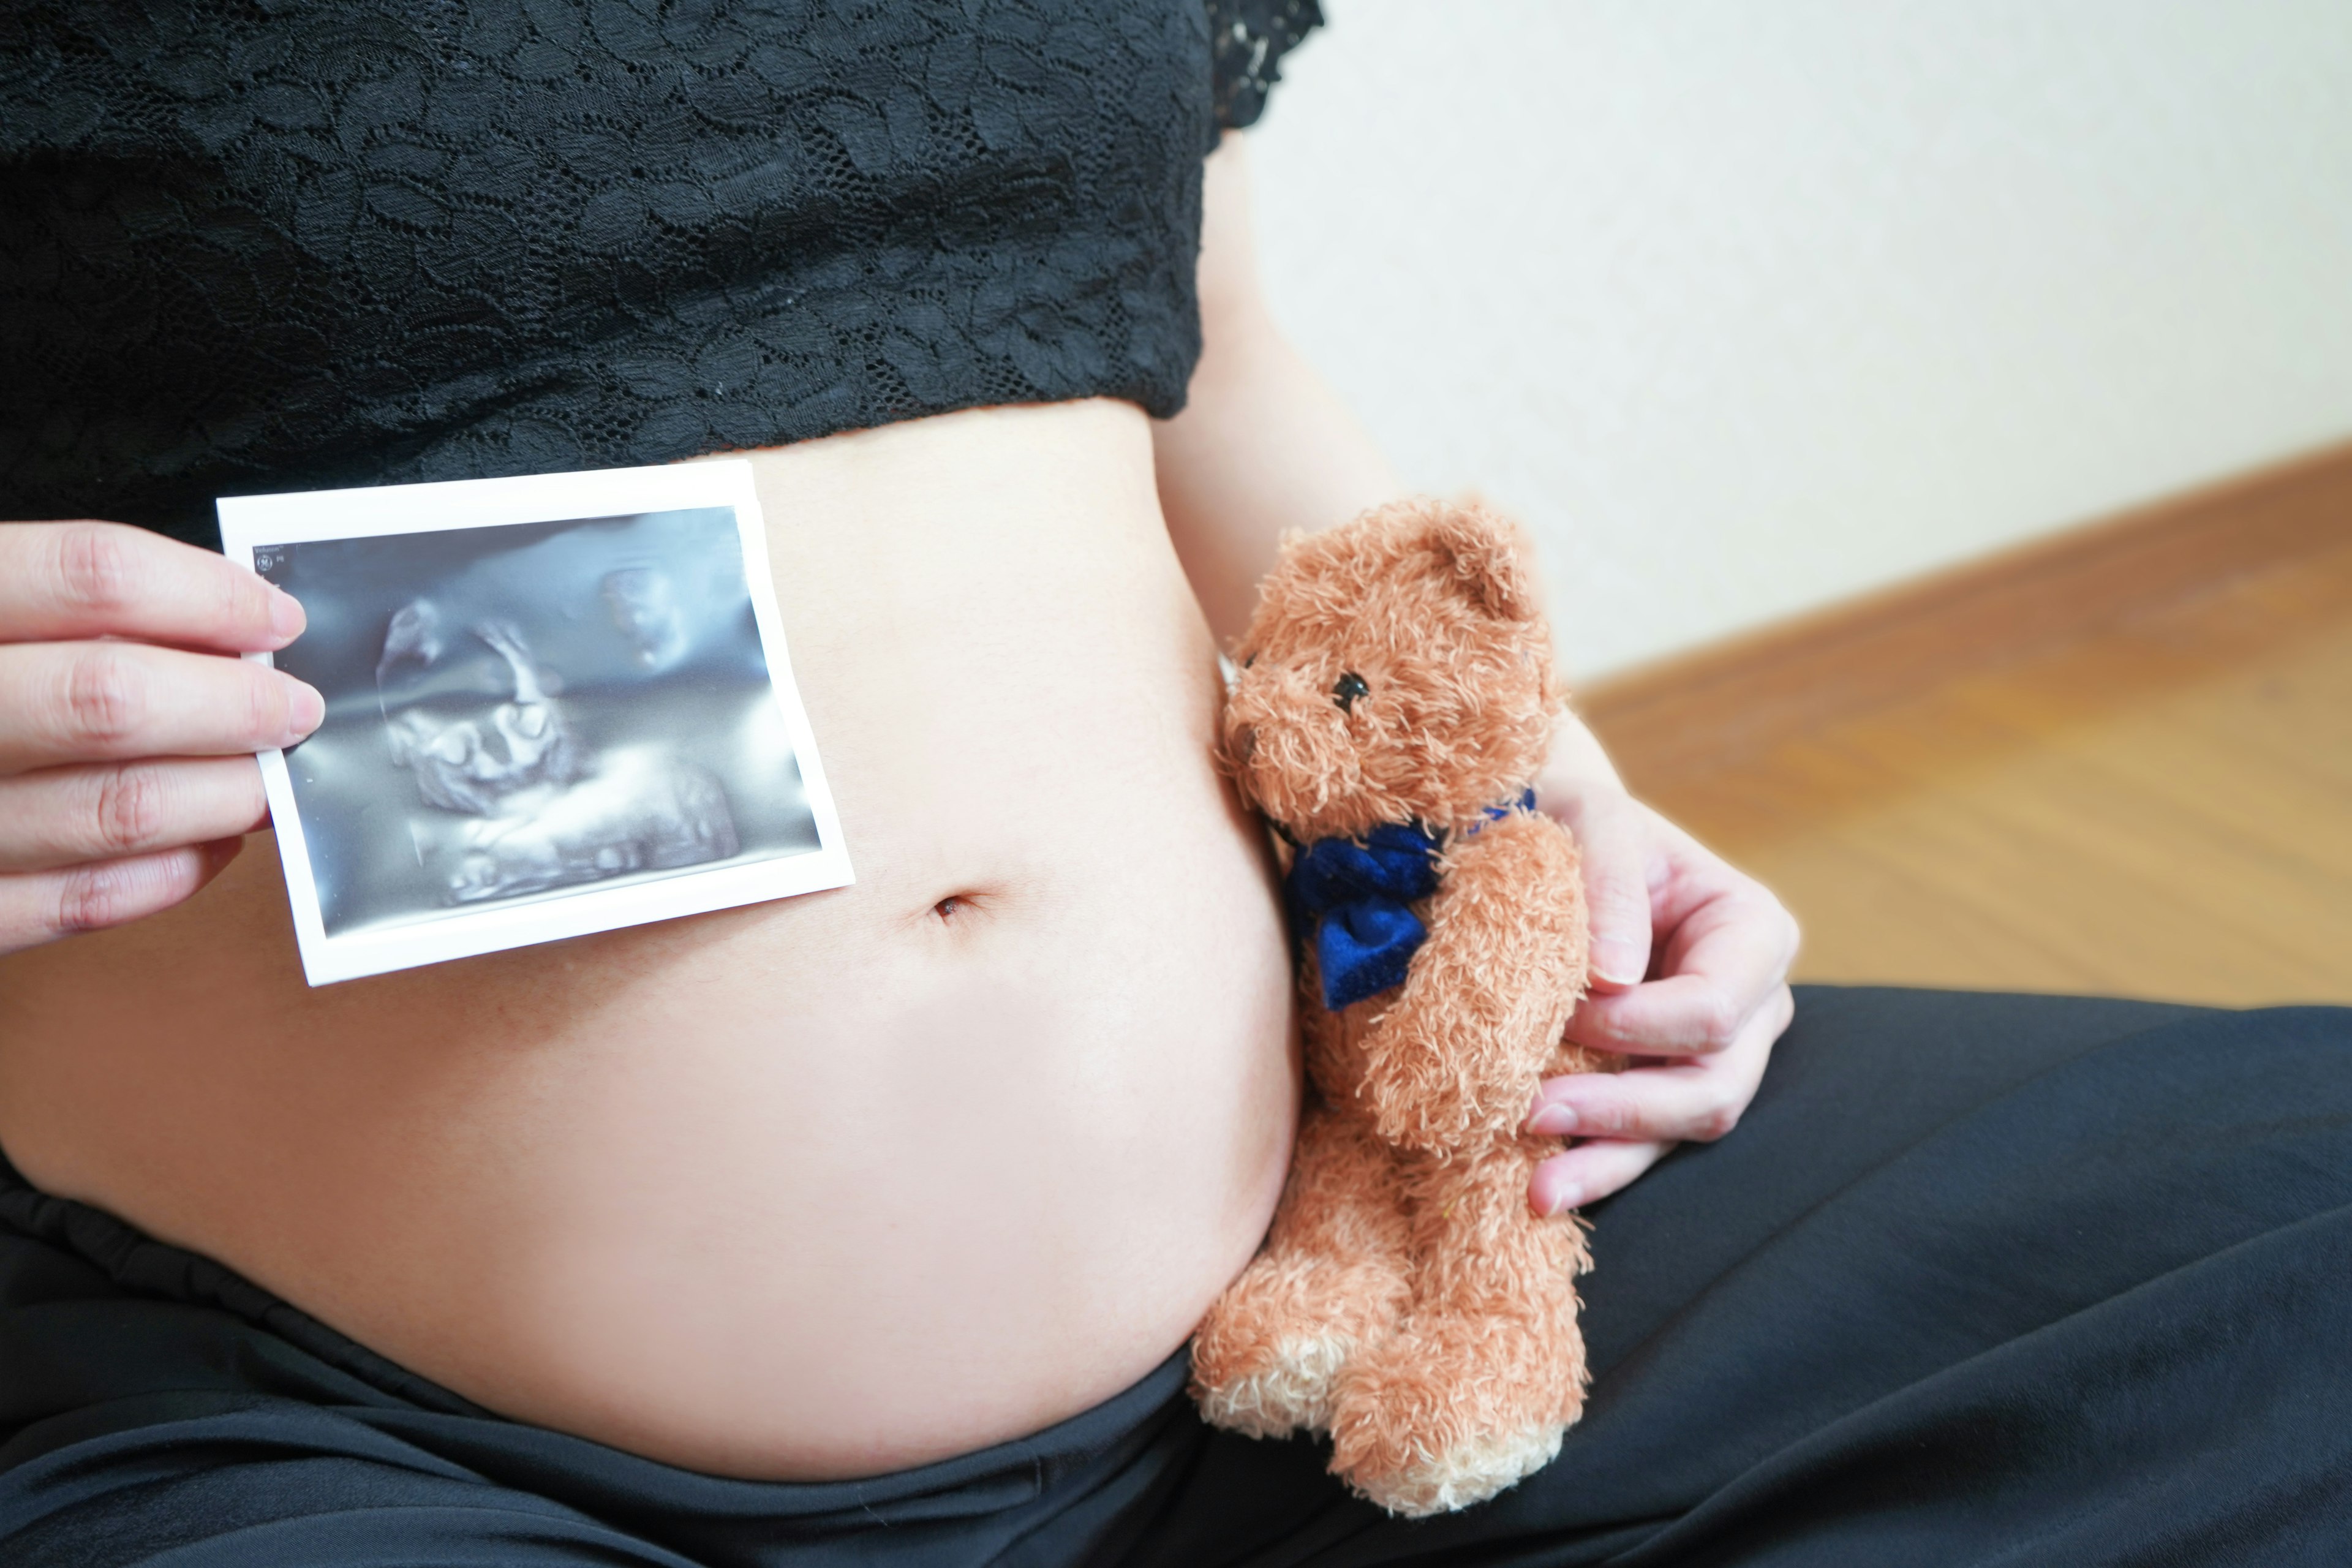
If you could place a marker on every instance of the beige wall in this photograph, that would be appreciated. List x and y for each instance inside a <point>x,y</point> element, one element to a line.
<point>1750,307</point>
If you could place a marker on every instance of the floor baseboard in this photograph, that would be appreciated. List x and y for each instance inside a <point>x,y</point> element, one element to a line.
<point>1666,723</point>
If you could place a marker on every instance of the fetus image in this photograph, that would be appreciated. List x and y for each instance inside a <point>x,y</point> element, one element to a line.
<point>535,711</point>
<point>546,810</point>
<point>458,767</point>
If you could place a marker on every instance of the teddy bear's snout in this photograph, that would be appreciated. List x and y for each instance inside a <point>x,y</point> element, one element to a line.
<point>1287,741</point>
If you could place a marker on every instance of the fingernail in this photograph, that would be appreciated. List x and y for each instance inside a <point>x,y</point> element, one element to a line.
<point>1617,961</point>
<point>286,617</point>
<point>1554,1120</point>
<point>305,709</point>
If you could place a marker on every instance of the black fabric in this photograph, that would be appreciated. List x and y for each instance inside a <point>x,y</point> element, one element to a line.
<point>1981,1280</point>
<point>1247,39</point>
<point>263,244</point>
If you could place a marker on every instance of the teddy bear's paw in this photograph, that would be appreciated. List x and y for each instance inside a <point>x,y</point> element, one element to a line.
<point>1284,1388</point>
<point>1274,1346</point>
<point>1448,1412</point>
<point>1420,1481</point>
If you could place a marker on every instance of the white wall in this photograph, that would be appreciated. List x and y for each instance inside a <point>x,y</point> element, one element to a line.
<point>1748,307</point>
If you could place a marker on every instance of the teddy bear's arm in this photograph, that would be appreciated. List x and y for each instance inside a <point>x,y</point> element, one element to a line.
<point>1457,1055</point>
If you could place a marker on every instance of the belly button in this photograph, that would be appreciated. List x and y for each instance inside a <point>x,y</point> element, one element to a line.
<point>963,906</point>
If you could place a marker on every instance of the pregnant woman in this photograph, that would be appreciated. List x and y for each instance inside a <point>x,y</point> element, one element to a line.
<point>869,1226</point>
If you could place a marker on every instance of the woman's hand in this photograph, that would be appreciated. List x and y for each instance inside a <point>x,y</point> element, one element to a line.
<point>1690,969</point>
<point>125,778</point>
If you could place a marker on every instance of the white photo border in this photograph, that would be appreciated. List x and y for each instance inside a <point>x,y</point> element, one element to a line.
<point>308,516</point>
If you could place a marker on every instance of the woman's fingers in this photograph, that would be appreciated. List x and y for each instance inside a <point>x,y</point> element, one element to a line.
<point>97,701</point>
<point>41,906</point>
<point>1588,1173</point>
<point>1696,1102</point>
<point>1726,951</point>
<point>1612,836</point>
<point>1720,947</point>
<point>1616,891</point>
<point>1632,1117</point>
<point>65,817</point>
<point>1690,1015</point>
<point>69,581</point>
<point>122,786</point>
<point>1701,1009</point>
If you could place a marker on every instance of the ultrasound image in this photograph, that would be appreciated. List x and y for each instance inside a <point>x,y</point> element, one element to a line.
<point>516,711</point>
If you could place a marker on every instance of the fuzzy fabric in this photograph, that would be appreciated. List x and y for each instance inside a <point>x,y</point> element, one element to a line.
<point>1397,679</point>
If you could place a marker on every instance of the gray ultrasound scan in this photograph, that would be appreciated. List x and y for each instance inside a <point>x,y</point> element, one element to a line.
<point>513,711</point>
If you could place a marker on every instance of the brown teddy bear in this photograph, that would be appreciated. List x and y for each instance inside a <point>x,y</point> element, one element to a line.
<point>1395,696</point>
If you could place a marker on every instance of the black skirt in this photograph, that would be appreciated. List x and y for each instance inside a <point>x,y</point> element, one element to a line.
<point>1978,1279</point>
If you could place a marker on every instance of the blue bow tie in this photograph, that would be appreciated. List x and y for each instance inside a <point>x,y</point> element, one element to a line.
<point>1352,896</point>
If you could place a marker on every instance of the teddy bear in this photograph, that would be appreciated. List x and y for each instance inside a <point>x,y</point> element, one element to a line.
<point>1393,698</point>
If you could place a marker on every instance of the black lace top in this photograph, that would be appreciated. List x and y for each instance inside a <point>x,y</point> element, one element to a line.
<point>261,244</point>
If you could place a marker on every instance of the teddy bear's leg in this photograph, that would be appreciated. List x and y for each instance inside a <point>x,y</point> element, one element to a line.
<point>1474,1388</point>
<point>1329,1282</point>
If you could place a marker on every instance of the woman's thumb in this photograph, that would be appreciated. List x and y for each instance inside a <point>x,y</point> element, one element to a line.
<point>1616,889</point>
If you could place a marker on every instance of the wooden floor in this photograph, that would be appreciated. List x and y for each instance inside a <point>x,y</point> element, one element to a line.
<point>2161,807</point>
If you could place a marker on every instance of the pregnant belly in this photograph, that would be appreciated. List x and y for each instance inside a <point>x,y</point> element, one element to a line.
<point>821,1188</point>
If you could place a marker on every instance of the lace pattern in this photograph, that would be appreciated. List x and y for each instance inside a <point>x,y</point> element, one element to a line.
<point>1247,39</point>
<point>258,244</point>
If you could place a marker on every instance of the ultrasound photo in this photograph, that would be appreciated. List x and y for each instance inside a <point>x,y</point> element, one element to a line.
<point>518,713</point>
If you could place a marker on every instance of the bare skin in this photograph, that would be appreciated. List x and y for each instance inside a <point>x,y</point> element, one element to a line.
<point>839,1184</point>
<point>825,1186</point>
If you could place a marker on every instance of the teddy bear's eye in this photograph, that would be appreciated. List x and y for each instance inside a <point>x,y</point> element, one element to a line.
<point>1248,659</point>
<point>1351,686</point>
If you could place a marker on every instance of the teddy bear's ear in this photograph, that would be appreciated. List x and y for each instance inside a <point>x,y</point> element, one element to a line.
<point>1484,553</point>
